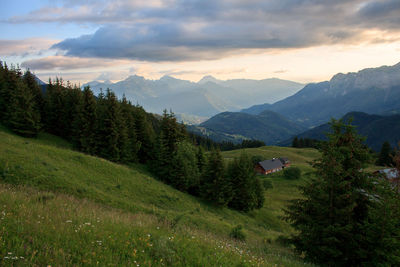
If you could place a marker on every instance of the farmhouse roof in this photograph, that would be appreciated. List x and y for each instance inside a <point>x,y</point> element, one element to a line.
<point>270,164</point>
<point>284,160</point>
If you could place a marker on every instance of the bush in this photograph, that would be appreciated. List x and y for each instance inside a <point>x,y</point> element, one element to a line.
<point>237,233</point>
<point>292,173</point>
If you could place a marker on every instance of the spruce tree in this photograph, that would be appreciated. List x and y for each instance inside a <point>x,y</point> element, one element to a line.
<point>23,117</point>
<point>247,191</point>
<point>385,157</point>
<point>295,142</point>
<point>35,90</point>
<point>85,122</point>
<point>184,171</point>
<point>330,215</point>
<point>129,152</point>
<point>216,186</point>
<point>109,133</point>
<point>145,136</point>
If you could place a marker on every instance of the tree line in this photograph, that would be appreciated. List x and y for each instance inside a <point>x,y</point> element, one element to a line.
<point>117,130</point>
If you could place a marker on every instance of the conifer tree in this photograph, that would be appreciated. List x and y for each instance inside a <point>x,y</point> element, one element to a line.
<point>216,186</point>
<point>144,134</point>
<point>5,91</point>
<point>35,90</point>
<point>330,216</point>
<point>130,150</point>
<point>246,194</point>
<point>295,142</point>
<point>170,136</point>
<point>109,146</point>
<point>85,122</point>
<point>385,157</point>
<point>22,116</point>
<point>184,171</point>
<point>201,159</point>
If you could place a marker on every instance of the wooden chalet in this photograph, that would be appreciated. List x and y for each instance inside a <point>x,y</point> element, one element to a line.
<point>285,161</point>
<point>269,166</point>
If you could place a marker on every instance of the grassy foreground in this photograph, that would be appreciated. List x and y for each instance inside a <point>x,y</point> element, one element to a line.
<point>59,207</point>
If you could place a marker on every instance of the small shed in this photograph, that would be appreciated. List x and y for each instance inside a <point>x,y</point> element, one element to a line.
<point>269,166</point>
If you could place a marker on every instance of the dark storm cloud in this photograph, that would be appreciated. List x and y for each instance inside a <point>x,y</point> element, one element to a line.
<point>184,30</point>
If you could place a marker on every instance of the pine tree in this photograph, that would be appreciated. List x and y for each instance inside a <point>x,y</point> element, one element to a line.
<point>216,186</point>
<point>35,90</point>
<point>145,136</point>
<point>170,135</point>
<point>22,116</point>
<point>85,123</point>
<point>108,133</point>
<point>385,157</point>
<point>329,217</point>
<point>246,193</point>
<point>295,142</point>
<point>5,92</point>
<point>184,171</point>
<point>129,152</point>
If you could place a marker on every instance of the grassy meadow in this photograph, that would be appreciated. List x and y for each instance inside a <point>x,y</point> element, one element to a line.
<point>60,207</point>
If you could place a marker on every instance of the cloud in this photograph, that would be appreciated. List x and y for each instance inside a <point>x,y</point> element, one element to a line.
<point>68,63</point>
<point>25,47</point>
<point>191,30</point>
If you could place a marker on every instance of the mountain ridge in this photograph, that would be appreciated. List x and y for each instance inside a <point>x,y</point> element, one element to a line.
<point>186,97</point>
<point>371,90</point>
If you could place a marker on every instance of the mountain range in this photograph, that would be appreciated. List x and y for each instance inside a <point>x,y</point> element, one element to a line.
<point>203,99</point>
<point>373,90</point>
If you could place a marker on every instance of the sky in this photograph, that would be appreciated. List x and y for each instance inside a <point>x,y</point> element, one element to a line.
<point>299,40</point>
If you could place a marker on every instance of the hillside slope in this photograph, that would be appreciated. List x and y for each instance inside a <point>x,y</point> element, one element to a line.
<point>267,126</point>
<point>377,129</point>
<point>118,214</point>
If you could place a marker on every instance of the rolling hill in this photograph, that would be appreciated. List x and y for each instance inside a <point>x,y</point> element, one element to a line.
<point>113,214</point>
<point>377,129</point>
<point>267,126</point>
<point>373,90</point>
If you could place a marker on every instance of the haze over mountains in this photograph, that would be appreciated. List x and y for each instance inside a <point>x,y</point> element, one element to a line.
<point>205,98</point>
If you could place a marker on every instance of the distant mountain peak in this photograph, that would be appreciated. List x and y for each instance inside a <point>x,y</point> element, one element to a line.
<point>208,78</point>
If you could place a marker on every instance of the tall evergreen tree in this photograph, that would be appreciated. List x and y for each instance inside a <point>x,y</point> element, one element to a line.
<point>385,155</point>
<point>144,134</point>
<point>22,115</point>
<point>246,193</point>
<point>216,186</point>
<point>170,135</point>
<point>184,170</point>
<point>35,90</point>
<point>295,142</point>
<point>130,150</point>
<point>85,122</point>
<point>109,146</point>
<point>330,216</point>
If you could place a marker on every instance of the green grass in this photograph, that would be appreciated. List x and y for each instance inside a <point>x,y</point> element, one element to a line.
<point>49,193</point>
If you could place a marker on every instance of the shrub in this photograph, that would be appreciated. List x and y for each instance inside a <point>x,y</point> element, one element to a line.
<point>292,173</point>
<point>237,233</point>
